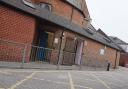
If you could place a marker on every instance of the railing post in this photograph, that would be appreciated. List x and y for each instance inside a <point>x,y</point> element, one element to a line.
<point>23,56</point>
<point>59,59</point>
<point>81,62</point>
<point>60,51</point>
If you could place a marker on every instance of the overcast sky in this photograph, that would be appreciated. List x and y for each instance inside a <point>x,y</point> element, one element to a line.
<point>111,16</point>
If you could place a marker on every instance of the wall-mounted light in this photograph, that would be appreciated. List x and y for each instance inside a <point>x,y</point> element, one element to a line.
<point>63,33</point>
<point>105,47</point>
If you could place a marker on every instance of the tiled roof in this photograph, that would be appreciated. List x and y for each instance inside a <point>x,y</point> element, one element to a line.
<point>117,40</point>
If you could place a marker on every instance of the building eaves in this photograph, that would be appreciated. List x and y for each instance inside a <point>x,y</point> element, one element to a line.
<point>103,38</point>
<point>49,16</point>
<point>117,40</point>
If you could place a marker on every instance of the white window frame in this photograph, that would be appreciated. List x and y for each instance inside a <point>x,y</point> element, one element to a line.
<point>30,4</point>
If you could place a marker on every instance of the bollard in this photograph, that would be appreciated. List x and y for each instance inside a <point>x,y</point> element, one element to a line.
<point>108,67</point>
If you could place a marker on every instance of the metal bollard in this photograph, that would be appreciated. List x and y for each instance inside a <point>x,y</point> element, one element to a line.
<point>108,67</point>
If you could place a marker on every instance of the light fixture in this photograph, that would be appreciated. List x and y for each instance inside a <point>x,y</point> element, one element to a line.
<point>105,47</point>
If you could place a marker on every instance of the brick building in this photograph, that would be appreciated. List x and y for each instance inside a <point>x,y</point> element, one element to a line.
<point>124,50</point>
<point>55,24</point>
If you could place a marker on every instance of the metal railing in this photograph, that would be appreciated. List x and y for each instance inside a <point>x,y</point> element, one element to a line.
<point>11,53</point>
<point>18,55</point>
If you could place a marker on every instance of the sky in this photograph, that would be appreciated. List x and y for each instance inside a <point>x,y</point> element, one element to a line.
<point>111,16</point>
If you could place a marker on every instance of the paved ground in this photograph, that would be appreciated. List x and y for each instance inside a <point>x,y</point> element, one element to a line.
<point>38,79</point>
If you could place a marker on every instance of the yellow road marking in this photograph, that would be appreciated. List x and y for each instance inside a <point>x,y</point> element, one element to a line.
<point>40,71</point>
<point>101,81</point>
<point>71,81</point>
<point>3,72</point>
<point>22,81</point>
<point>52,81</point>
<point>1,88</point>
<point>83,87</point>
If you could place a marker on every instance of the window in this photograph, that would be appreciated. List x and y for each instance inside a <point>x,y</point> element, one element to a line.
<point>89,31</point>
<point>40,5</point>
<point>108,40</point>
<point>46,6</point>
<point>28,3</point>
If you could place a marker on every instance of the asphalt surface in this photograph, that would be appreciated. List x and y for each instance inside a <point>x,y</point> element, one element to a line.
<point>40,79</point>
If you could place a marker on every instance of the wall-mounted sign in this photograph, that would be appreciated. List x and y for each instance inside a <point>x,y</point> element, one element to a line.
<point>56,40</point>
<point>102,51</point>
<point>76,3</point>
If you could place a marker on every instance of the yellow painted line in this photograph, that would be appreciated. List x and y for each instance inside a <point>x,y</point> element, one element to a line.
<point>83,87</point>
<point>22,81</point>
<point>52,81</point>
<point>39,71</point>
<point>71,81</point>
<point>3,72</point>
<point>101,81</point>
<point>63,83</point>
<point>1,88</point>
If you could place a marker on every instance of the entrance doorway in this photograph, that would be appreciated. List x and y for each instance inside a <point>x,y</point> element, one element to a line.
<point>69,52</point>
<point>72,53</point>
<point>42,44</point>
<point>79,51</point>
<point>45,45</point>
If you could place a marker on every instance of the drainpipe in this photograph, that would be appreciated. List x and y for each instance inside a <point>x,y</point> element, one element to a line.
<point>72,13</point>
<point>59,54</point>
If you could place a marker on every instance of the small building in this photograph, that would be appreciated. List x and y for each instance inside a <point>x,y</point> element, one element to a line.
<point>54,31</point>
<point>124,50</point>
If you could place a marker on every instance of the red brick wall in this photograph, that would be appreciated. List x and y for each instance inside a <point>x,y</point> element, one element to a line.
<point>124,59</point>
<point>77,17</point>
<point>16,26</point>
<point>92,49</point>
<point>65,10</point>
<point>62,9</point>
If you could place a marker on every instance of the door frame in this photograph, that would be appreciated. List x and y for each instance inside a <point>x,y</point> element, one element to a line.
<point>79,52</point>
